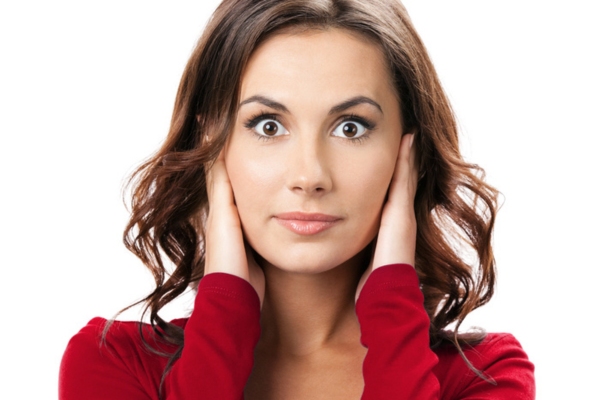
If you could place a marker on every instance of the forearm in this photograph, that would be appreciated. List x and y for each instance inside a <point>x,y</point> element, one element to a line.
<point>394,327</point>
<point>220,337</point>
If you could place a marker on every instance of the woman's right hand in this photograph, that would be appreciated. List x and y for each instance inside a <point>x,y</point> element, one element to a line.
<point>226,250</point>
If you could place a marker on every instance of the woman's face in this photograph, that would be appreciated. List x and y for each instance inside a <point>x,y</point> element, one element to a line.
<point>314,148</point>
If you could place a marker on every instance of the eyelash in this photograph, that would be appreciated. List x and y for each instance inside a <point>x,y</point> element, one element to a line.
<point>369,126</point>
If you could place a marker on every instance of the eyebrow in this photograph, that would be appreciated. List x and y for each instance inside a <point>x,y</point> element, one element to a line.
<point>265,101</point>
<point>354,101</point>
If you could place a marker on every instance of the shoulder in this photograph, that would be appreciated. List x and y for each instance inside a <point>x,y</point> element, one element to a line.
<point>121,339</point>
<point>499,357</point>
<point>96,363</point>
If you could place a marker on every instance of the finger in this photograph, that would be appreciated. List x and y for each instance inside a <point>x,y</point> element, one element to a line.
<point>403,185</point>
<point>218,185</point>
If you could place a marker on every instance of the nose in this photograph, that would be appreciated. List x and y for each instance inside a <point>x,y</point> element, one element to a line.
<point>308,169</point>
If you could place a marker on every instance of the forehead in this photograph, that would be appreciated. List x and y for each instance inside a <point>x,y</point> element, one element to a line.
<point>315,61</point>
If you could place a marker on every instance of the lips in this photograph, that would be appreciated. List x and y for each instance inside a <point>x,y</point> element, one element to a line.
<point>306,223</point>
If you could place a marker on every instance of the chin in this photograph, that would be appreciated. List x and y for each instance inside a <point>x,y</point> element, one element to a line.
<point>307,258</point>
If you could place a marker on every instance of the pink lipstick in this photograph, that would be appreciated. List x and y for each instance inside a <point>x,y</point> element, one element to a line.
<point>305,223</point>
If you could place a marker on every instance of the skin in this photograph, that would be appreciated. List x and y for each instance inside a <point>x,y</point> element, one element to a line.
<point>308,284</point>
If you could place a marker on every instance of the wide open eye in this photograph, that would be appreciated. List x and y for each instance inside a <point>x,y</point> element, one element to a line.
<point>269,128</point>
<point>350,129</point>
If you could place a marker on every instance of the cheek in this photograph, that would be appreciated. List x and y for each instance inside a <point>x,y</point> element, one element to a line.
<point>368,180</point>
<point>253,180</point>
<point>363,188</point>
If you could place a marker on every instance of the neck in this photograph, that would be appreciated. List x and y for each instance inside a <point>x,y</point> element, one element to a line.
<point>303,313</point>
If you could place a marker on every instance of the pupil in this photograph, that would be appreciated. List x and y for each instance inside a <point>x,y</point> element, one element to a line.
<point>270,128</point>
<point>350,130</point>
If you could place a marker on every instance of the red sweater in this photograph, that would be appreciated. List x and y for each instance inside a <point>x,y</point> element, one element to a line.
<point>224,328</point>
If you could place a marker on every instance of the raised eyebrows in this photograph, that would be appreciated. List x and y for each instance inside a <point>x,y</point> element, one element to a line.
<point>354,101</point>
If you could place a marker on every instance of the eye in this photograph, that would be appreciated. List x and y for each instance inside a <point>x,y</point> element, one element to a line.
<point>350,129</point>
<point>269,128</point>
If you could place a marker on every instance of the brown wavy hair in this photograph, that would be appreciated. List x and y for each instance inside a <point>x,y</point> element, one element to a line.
<point>455,209</point>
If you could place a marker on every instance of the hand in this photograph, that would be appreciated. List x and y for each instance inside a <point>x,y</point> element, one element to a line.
<point>397,237</point>
<point>226,250</point>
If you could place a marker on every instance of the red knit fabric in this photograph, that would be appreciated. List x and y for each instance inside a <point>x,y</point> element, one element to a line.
<point>224,328</point>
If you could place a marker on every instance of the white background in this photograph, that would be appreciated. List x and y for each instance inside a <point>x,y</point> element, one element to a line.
<point>86,93</point>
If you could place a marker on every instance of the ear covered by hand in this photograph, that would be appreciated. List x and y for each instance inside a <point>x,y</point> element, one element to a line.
<point>226,250</point>
<point>397,237</point>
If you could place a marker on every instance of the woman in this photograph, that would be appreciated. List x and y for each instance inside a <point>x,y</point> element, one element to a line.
<point>312,161</point>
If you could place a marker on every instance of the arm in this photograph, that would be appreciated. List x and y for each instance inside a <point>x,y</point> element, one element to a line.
<point>394,327</point>
<point>216,361</point>
<point>220,337</point>
<point>394,324</point>
<point>400,364</point>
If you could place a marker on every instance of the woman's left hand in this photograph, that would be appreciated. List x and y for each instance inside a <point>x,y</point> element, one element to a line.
<point>397,237</point>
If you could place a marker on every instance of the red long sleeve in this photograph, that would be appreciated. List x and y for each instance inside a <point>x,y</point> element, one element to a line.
<point>394,328</point>
<point>219,341</point>
<point>224,328</point>
<point>400,364</point>
<point>218,352</point>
